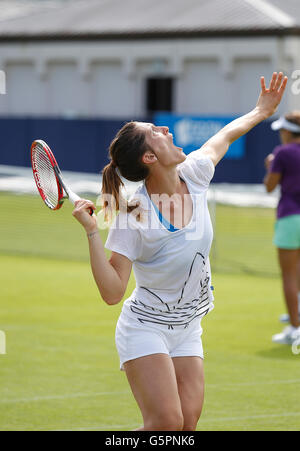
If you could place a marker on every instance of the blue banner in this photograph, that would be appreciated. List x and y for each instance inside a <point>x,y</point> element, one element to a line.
<point>191,132</point>
<point>82,144</point>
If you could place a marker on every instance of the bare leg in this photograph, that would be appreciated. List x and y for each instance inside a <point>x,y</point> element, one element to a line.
<point>153,382</point>
<point>289,261</point>
<point>190,380</point>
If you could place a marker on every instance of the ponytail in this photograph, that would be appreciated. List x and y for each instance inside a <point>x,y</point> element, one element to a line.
<point>126,152</point>
<point>111,184</point>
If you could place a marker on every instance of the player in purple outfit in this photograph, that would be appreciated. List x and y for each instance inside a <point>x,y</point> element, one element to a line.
<point>283,168</point>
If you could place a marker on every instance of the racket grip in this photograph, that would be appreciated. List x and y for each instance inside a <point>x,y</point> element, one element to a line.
<point>73,198</point>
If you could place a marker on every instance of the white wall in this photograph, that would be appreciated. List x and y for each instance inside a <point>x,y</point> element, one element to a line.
<point>62,89</point>
<point>213,76</point>
<point>247,81</point>
<point>201,89</point>
<point>23,90</point>
<point>110,94</point>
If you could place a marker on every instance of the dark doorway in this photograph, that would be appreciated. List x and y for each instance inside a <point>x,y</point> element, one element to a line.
<point>159,94</point>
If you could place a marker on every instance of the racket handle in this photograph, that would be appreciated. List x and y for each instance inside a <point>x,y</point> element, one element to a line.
<point>73,198</point>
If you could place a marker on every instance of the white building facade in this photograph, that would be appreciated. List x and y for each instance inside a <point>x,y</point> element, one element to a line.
<point>108,78</point>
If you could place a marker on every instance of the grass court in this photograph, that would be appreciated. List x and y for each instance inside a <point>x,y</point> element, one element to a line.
<point>61,369</point>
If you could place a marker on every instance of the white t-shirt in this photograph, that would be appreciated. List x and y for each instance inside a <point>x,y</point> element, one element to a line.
<point>171,269</point>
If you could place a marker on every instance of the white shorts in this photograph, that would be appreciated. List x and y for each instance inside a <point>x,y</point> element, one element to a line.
<point>134,339</point>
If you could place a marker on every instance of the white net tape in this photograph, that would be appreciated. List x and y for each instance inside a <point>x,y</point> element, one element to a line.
<point>243,218</point>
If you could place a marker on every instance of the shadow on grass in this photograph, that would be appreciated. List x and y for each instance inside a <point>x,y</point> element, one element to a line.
<point>281,352</point>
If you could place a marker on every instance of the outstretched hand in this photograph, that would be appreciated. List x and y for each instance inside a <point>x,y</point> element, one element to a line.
<point>270,98</point>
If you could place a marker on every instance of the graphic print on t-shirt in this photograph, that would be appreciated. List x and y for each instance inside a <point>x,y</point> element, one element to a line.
<point>171,269</point>
<point>184,311</point>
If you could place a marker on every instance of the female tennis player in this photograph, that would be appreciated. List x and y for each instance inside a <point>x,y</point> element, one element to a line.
<point>165,234</point>
<point>283,168</point>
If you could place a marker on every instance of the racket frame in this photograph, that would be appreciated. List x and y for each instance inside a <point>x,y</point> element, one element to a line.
<point>61,186</point>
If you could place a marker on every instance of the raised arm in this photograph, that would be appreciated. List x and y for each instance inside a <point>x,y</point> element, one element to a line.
<point>111,276</point>
<point>267,104</point>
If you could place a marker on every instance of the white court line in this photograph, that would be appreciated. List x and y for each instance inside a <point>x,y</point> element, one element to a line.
<point>125,427</point>
<point>205,420</point>
<point>106,427</point>
<point>96,427</point>
<point>116,393</point>
<point>251,384</point>
<point>251,417</point>
<point>61,397</point>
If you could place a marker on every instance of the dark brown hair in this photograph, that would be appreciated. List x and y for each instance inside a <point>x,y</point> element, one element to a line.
<point>294,118</point>
<point>125,152</point>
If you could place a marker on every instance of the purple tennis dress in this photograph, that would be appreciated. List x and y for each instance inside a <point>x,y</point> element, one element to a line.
<point>287,163</point>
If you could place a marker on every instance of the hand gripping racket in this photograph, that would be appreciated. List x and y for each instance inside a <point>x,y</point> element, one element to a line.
<point>48,177</point>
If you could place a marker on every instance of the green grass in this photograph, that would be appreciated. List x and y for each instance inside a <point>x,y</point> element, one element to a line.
<point>243,236</point>
<point>28,227</point>
<point>243,241</point>
<point>61,370</point>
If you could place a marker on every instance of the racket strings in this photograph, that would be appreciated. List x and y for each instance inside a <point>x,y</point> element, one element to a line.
<point>46,177</point>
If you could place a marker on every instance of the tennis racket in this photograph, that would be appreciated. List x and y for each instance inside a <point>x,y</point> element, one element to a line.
<point>48,177</point>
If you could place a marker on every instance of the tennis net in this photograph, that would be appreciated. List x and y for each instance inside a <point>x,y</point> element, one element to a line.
<point>243,219</point>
